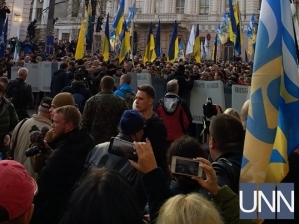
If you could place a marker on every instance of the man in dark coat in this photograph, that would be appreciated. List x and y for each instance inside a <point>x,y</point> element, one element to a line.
<point>185,85</point>
<point>64,166</point>
<point>8,121</point>
<point>59,80</point>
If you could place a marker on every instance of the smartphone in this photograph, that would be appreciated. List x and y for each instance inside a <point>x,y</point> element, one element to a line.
<point>185,166</point>
<point>122,148</point>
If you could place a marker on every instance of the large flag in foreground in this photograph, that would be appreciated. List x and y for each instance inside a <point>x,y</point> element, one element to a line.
<point>150,52</point>
<point>80,43</point>
<point>174,44</point>
<point>106,42</point>
<point>272,123</point>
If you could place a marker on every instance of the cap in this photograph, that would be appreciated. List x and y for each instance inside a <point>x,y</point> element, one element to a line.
<point>17,188</point>
<point>46,102</point>
<point>119,67</point>
<point>63,99</point>
<point>131,122</point>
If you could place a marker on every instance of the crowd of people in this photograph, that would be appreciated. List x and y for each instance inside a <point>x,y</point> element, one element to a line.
<point>64,160</point>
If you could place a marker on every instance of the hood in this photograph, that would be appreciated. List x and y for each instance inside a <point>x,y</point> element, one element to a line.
<point>58,72</point>
<point>126,87</point>
<point>170,102</point>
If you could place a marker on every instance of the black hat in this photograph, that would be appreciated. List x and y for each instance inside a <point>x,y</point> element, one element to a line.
<point>131,122</point>
<point>46,102</point>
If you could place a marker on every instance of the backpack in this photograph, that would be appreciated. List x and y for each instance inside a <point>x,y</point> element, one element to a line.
<point>129,98</point>
<point>79,101</point>
<point>17,92</point>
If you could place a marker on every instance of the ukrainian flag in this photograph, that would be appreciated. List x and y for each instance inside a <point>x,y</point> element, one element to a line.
<point>130,17</point>
<point>158,41</point>
<point>251,34</point>
<point>150,53</point>
<point>196,49</point>
<point>80,43</point>
<point>222,31</point>
<point>125,43</point>
<point>272,122</point>
<point>119,18</point>
<point>174,44</point>
<point>106,42</point>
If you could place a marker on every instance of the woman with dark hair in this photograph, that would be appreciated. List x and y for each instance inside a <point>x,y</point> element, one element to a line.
<point>187,147</point>
<point>103,197</point>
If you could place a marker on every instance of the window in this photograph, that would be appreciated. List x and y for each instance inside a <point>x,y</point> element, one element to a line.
<point>180,6</point>
<point>65,37</point>
<point>159,6</point>
<point>39,13</point>
<point>204,7</point>
<point>75,8</point>
<point>138,9</point>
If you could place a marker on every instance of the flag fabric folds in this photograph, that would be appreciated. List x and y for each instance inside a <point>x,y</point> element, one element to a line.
<point>272,122</point>
<point>251,34</point>
<point>190,44</point>
<point>197,47</point>
<point>119,18</point>
<point>106,42</point>
<point>80,43</point>
<point>173,49</point>
<point>130,17</point>
<point>88,26</point>
<point>181,54</point>
<point>158,41</point>
<point>3,39</point>
<point>222,30</point>
<point>150,52</point>
<point>125,43</point>
<point>214,54</point>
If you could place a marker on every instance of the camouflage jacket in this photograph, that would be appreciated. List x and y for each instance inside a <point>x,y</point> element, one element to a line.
<point>102,114</point>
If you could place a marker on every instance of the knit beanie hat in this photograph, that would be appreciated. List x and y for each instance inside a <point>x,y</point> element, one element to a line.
<point>131,122</point>
<point>63,99</point>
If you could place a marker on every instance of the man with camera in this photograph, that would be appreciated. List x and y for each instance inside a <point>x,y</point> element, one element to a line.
<point>64,166</point>
<point>24,133</point>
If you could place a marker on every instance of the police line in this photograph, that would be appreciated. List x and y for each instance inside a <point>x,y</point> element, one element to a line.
<point>226,96</point>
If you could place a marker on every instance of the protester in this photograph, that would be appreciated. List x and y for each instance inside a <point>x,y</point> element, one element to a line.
<point>8,121</point>
<point>20,94</point>
<point>28,130</point>
<point>102,112</point>
<point>17,190</point>
<point>64,166</point>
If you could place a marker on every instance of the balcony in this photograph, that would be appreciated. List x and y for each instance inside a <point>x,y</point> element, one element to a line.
<point>169,17</point>
<point>68,21</point>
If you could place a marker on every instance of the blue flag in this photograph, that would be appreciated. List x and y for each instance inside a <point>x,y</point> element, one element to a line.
<point>3,40</point>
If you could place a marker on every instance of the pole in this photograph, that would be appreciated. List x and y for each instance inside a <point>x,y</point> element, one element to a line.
<point>50,25</point>
<point>132,40</point>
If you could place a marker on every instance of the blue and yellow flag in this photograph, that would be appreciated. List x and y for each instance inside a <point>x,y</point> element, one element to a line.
<point>88,25</point>
<point>197,43</point>
<point>158,41</point>
<point>251,34</point>
<point>238,39</point>
<point>272,122</point>
<point>222,30</point>
<point>130,17</point>
<point>106,42</point>
<point>125,43</point>
<point>150,53</point>
<point>119,18</point>
<point>173,49</point>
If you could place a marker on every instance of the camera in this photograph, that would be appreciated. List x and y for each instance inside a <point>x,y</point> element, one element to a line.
<point>37,139</point>
<point>185,166</point>
<point>209,109</point>
<point>123,149</point>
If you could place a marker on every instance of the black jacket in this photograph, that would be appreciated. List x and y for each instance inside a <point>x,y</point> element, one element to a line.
<point>58,82</point>
<point>100,157</point>
<point>156,132</point>
<point>78,87</point>
<point>228,167</point>
<point>60,174</point>
<point>184,85</point>
<point>3,12</point>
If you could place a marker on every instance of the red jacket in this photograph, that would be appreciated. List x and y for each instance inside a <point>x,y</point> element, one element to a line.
<point>176,119</point>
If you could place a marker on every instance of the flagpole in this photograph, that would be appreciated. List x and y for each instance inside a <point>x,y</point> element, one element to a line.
<point>132,40</point>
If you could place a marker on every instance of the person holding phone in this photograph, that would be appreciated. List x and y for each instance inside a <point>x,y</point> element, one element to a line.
<point>155,186</point>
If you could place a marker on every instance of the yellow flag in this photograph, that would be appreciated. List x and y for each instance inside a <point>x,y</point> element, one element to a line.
<point>80,43</point>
